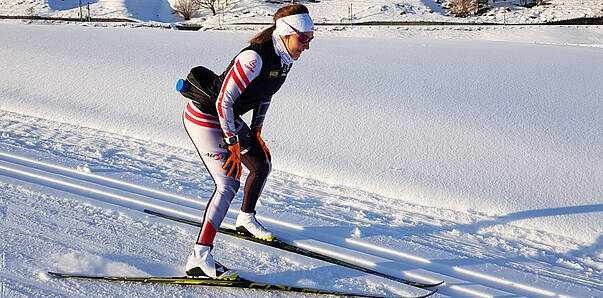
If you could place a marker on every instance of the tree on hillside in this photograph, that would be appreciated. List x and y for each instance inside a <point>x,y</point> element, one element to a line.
<point>186,8</point>
<point>463,8</point>
<point>212,5</point>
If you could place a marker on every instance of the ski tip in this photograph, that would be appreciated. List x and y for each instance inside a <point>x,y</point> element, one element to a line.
<point>417,284</point>
<point>432,292</point>
<point>434,284</point>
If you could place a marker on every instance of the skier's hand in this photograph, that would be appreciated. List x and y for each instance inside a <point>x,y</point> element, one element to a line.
<point>266,150</point>
<point>234,161</point>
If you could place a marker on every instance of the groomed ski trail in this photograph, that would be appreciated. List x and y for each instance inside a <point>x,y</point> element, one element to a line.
<point>138,198</point>
<point>459,281</point>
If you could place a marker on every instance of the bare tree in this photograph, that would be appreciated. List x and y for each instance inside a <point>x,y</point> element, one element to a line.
<point>208,4</point>
<point>463,7</point>
<point>186,8</point>
<point>31,12</point>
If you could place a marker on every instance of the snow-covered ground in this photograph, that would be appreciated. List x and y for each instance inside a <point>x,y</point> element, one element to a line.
<point>327,11</point>
<point>475,161</point>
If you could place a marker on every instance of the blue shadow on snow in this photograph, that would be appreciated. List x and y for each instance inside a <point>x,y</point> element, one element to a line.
<point>549,212</point>
<point>144,11</point>
<point>68,4</point>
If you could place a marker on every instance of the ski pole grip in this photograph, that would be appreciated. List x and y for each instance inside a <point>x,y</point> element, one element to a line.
<point>182,85</point>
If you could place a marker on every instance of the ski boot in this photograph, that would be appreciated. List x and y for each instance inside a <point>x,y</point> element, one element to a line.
<point>247,225</point>
<point>201,264</point>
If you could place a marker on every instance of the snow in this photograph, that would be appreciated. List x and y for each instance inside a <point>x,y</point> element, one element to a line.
<point>326,11</point>
<point>518,143</point>
<point>465,154</point>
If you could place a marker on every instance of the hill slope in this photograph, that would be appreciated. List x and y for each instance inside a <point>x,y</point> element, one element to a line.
<point>473,162</point>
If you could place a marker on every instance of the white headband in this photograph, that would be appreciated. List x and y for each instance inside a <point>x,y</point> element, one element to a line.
<point>301,22</point>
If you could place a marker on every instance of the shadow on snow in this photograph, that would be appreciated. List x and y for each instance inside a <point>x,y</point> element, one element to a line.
<point>144,11</point>
<point>68,4</point>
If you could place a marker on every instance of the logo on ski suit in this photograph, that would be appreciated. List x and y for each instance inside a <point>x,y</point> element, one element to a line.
<point>251,65</point>
<point>216,156</point>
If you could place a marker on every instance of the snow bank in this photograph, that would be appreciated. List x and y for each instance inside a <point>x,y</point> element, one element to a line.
<point>511,130</point>
<point>334,11</point>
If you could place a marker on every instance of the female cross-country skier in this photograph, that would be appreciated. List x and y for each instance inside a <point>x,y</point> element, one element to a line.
<point>224,141</point>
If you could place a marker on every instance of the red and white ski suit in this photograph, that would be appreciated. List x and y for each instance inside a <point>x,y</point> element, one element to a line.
<point>247,84</point>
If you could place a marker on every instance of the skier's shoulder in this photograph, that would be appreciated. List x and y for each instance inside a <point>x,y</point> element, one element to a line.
<point>255,55</point>
<point>250,59</point>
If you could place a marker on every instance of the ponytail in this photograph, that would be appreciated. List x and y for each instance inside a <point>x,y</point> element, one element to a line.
<point>264,36</point>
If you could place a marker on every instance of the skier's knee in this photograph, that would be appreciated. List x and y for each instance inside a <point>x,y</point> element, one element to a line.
<point>228,189</point>
<point>263,170</point>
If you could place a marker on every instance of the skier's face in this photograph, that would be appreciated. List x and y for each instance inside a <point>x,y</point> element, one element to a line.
<point>297,43</point>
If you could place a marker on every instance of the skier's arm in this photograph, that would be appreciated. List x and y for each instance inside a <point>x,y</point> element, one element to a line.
<point>246,67</point>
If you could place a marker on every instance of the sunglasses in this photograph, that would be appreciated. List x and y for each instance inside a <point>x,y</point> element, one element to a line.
<point>301,37</point>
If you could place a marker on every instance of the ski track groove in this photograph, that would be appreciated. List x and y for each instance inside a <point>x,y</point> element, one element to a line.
<point>51,176</point>
<point>24,136</point>
<point>107,185</point>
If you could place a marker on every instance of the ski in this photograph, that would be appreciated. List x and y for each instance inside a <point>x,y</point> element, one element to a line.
<point>294,249</point>
<point>237,283</point>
